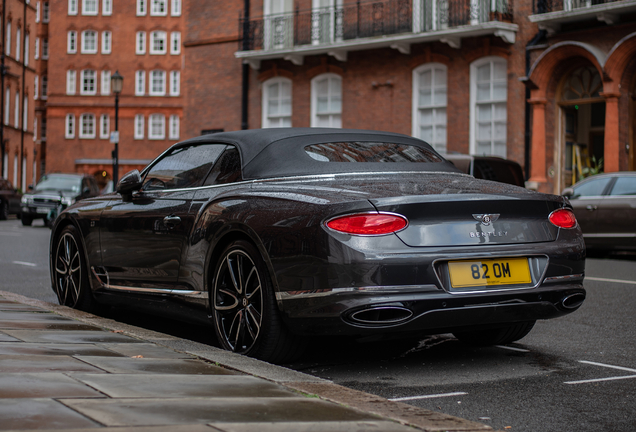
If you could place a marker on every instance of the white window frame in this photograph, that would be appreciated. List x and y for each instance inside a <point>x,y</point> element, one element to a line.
<point>83,81</point>
<point>473,104</point>
<point>278,120</point>
<point>107,42</point>
<point>37,12</point>
<point>140,42</point>
<point>87,12</point>
<point>36,54</point>
<point>161,119</point>
<point>90,134</point>
<point>7,40</point>
<point>45,49</point>
<point>18,41</point>
<point>71,82</point>
<point>435,108</point>
<point>140,83</point>
<point>139,127</point>
<point>161,76</point>
<point>107,7</point>
<point>72,7</point>
<point>36,87</point>
<point>104,126</point>
<point>7,106</point>
<point>46,12</point>
<point>175,8</point>
<point>175,83</point>
<point>173,127</point>
<point>85,41</point>
<point>335,118</point>
<point>16,112</point>
<point>25,112</point>
<point>158,7</point>
<point>45,87</point>
<point>158,36</point>
<point>71,42</point>
<point>105,85</point>
<point>175,43</point>
<point>142,6</point>
<point>27,41</point>
<point>35,138</point>
<point>69,131</point>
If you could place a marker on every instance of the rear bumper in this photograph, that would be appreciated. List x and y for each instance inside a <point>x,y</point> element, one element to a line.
<point>427,311</point>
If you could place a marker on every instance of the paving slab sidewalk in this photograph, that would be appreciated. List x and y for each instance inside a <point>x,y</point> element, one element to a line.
<point>63,369</point>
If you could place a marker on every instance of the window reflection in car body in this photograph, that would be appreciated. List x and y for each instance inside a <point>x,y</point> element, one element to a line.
<point>158,219</point>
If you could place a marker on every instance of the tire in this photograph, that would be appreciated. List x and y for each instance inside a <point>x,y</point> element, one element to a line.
<point>26,221</point>
<point>496,336</point>
<point>243,307</point>
<point>70,272</point>
<point>4,210</point>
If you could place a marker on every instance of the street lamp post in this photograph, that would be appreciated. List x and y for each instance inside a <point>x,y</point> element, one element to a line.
<point>117,82</point>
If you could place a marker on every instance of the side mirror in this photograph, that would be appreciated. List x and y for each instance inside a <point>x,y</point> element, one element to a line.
<point>30,187</point>
<point>129,183</point>
<point>568,192</point>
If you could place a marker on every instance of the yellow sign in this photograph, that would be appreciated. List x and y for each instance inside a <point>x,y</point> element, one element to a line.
<point>502,271</point>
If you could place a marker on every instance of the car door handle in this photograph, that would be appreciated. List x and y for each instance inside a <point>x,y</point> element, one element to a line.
<point>591,207</point>
<point>171,221</point>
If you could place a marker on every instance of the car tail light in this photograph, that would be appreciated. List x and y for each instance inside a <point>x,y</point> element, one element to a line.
<point>368,223</point>
<point>563,218</point>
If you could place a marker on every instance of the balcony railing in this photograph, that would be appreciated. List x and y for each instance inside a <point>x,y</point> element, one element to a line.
<point>546,6</point>
<point>324,26</point>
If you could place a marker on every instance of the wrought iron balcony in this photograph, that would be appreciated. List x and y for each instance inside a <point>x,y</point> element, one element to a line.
<point>366,22</point>
<point>551,14</point>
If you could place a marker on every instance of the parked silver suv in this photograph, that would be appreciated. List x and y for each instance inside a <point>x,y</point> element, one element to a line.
<point>53,194</point>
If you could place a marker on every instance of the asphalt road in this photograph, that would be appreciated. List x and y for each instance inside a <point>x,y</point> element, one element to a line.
<point>576,373</point>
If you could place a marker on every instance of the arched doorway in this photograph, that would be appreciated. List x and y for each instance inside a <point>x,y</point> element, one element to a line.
<point>582,119</point>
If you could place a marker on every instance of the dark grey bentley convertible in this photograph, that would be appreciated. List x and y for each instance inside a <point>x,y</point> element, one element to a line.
<point>276,234</point>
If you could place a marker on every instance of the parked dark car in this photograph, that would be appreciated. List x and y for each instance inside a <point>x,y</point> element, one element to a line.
<point>54,193</point>
<point>489,168</point>
<point>605,206</point>
<point>9,199</point>
<point>272,235</point>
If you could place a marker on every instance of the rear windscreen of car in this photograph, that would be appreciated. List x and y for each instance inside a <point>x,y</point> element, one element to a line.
<point>370,152</point>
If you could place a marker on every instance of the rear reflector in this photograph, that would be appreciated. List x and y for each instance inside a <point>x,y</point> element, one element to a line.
<point>563,218</point>
<point>368,223</point>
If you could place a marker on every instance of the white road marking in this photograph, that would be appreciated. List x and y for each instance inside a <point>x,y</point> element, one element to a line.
<point>429,396</point>
<point>512,348</point>
<point>608,366</point>
<point>600,379</point>
<point>610,280</point>
<point>604,379</point>
<point>25,263</point>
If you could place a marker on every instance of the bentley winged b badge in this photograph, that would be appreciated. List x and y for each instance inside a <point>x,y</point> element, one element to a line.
<point>486,219</point>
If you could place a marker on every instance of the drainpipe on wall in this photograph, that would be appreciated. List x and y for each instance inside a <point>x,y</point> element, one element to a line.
<point>246,68</point>
<point>2,73</point>
<point>24,126</point>
<point>534,42</point>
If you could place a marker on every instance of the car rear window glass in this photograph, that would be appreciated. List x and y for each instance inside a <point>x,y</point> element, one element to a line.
<point>591,188</point>
<point>624,186</point>
<point>370,152</point>
<point>183,167</point>
<point>227,169</point>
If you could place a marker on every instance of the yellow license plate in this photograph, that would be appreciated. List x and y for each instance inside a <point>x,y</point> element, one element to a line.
<point>486,272</point>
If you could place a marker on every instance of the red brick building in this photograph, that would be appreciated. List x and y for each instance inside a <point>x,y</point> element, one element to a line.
<point>19,149</point>
<point>453,72</point>
<point>90,40</point>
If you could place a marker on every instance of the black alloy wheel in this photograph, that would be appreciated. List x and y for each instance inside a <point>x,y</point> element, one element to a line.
<point>70,271</point>
<point>243,309</point>
<point>496,336</point>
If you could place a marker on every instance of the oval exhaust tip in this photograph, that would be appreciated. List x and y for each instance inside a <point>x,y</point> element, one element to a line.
<point>382,315</point>
<point>573,301</point>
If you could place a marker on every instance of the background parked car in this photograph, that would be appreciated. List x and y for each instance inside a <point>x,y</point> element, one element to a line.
<point>605,206</point>
<point>489,168</point>
<point>9,199</point>
<point>54,193</point>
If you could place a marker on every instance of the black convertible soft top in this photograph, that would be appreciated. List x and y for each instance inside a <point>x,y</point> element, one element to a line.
<point>281,152</point>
